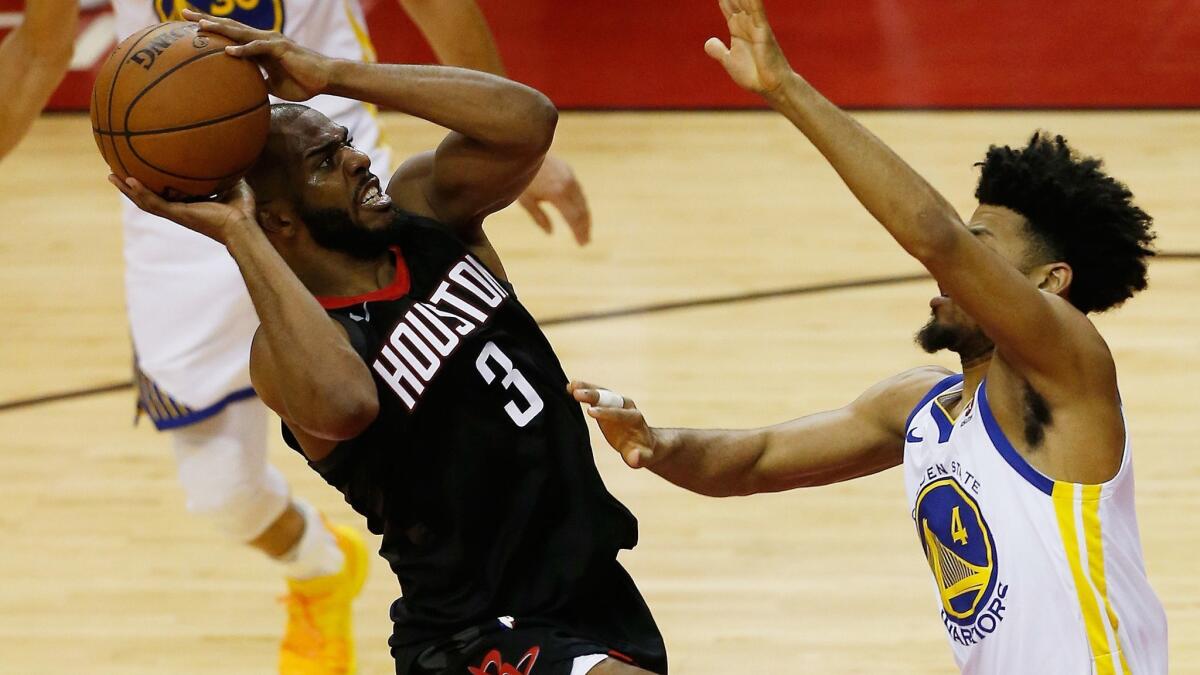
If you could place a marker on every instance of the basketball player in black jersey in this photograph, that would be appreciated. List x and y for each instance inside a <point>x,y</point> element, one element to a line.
<point>414,382</point>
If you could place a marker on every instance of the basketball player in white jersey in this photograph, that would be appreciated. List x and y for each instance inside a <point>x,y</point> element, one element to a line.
<point>1018,470</point>
<point>192,320</point>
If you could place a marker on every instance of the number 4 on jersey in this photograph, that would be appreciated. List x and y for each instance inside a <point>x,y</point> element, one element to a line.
<point>957,531</point>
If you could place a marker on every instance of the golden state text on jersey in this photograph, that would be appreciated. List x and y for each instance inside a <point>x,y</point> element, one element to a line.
<point>261,14</point>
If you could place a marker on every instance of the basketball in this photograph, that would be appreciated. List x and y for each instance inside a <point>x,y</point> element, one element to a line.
<point>172,110</point>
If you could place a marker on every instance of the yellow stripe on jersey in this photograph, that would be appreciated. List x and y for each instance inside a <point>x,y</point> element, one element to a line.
<point>1089,583</point>
<point>369,56</point>
<point>1095,556</point>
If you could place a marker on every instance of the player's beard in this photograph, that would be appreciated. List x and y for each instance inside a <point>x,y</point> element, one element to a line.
<point>334,229</point>
<point>967,341</point>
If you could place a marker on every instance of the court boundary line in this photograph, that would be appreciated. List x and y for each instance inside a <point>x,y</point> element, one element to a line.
<point>619,313</point>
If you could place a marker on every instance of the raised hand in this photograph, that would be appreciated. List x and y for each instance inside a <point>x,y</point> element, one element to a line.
<point>620,421</point>
<point>293,72</point>
<point>753,58</point>
<point>555,183</point>
<point>214,219</point>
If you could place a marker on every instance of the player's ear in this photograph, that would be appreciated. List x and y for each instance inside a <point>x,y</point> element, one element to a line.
<point>1054,278</point>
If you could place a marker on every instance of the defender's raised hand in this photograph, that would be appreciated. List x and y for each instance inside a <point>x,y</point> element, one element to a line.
<point>621,422</point>
<point>293,72</point>
<point>753,58</point>
<point>555,183</point>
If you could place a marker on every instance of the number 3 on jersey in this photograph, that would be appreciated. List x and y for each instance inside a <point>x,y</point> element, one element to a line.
<point>513,379</point>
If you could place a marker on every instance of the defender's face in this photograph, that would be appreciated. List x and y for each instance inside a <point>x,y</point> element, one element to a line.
<point>333,178</point>
<point>1002,230</point>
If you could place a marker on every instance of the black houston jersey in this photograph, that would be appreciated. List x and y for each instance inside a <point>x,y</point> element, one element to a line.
<point>478,471</point>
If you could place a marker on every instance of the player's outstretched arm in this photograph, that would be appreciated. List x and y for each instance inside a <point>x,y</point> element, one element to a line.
<point>862,438</point>
<point>459,35</point>
<point>33,59</point>
<point>1037,332</point>
<point>301,363</point>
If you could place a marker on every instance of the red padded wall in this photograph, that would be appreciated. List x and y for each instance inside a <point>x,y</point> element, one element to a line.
<point>862,53</point>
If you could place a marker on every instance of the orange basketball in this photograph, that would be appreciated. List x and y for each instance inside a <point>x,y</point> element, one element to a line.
<point>171,109</point>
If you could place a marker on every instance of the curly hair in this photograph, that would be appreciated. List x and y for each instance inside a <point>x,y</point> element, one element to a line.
<point>1077,213</point>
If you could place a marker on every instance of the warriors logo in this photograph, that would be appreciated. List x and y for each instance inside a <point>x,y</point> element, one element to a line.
<point>260,14</point>
<point>959,548</point>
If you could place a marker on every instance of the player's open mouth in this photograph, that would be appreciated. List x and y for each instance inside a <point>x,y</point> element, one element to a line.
<point>372,197</point>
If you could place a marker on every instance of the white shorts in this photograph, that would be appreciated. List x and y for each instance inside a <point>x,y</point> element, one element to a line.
<point>189,312</point>
<point>582,664</point>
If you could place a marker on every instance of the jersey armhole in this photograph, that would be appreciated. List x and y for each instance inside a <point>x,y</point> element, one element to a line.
<point>943,385</point>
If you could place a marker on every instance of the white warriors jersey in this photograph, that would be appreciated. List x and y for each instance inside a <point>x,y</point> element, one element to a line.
<point>1033,576</point>
<point>190,315</point>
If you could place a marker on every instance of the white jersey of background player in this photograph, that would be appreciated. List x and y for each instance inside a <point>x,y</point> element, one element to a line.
<point>192,320</point>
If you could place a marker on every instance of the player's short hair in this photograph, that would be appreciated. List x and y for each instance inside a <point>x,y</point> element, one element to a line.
<point>1078,215</point>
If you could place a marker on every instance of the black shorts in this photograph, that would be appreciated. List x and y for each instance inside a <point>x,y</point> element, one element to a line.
<point>506,647</point>
<point>607,615</point>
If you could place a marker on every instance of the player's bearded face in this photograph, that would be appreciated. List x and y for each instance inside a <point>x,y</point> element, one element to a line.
<point>950,328</point>
<point>336,229</point>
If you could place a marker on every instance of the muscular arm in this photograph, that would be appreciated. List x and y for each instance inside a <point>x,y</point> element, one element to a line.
<point>459,35</point>
<point>859,439</point>
<point>301,362</point>
<point>500,130</point>
<point>1039,333</point>
<point>33,59</point>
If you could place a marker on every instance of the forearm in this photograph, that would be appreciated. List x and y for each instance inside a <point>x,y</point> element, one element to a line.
<point>912,211</point>
<point>489,110</point>
<point>458,33</point>
<point>712,462</point>
<point>323,384</point>
<point>29,73</point>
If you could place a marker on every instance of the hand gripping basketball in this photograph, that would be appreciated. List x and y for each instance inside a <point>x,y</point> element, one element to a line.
<point>215,219</point>
<point>620,421</point>
<point>293,72</point>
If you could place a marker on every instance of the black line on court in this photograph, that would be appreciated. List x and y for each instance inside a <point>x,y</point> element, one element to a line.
<point>731,299</point>
<point>64,396</point>
<point>637,310</point>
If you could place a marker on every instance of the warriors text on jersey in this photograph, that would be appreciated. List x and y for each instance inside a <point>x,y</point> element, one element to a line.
<point>1032,575</point>
<point>478,470</point>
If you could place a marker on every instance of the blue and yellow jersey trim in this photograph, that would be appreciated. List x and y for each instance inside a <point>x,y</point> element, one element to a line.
<point>167,413</point>
<point>1077,511</point>
<point>937,390</point>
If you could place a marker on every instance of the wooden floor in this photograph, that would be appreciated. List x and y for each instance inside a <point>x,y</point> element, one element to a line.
<point>102,571</point>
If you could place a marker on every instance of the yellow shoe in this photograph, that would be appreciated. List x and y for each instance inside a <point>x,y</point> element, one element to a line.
<point>319,639</point>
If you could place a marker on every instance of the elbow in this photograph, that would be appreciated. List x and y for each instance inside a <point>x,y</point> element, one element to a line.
<point>350,417</point>
<point>541,118</point>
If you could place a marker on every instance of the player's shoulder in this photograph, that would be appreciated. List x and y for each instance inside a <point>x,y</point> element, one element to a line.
<point>894,398</point>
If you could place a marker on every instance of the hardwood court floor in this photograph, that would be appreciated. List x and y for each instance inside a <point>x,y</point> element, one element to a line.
<point>102,571</point>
